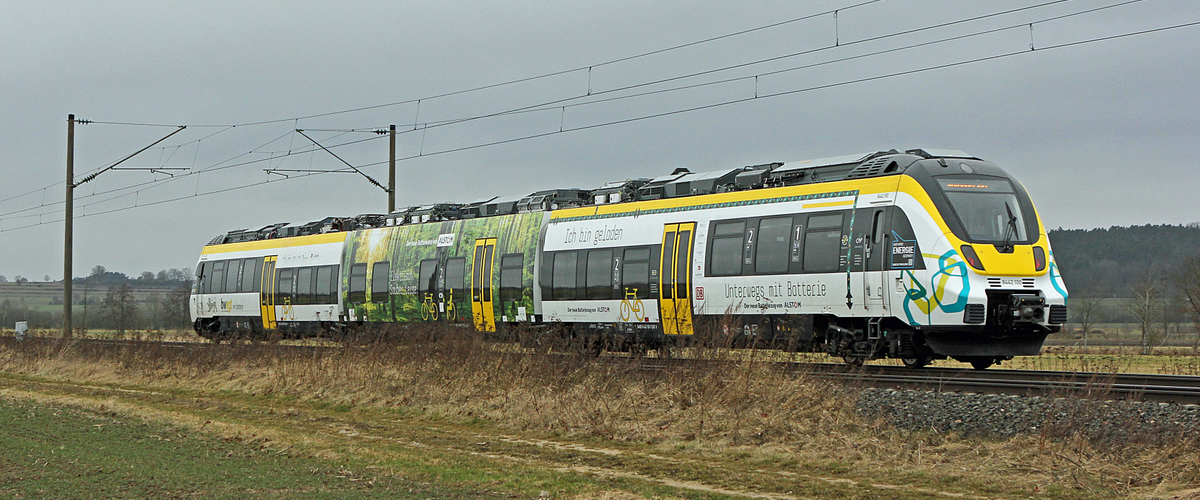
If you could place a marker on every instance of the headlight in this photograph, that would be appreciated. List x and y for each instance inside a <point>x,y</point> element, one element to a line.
<point>972,259</point>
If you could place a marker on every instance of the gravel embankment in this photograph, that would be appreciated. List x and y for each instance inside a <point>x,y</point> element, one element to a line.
<point>1003,415</point>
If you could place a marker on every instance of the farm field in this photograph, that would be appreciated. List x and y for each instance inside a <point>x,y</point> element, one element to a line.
<point>47,297</point>
<point>56,448</point>
<point>460,419</point>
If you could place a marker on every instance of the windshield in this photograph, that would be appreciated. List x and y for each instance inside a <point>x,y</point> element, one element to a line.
<point>986,207</point>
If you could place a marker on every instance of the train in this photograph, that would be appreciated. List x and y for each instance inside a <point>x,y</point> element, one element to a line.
<point>915,255</point>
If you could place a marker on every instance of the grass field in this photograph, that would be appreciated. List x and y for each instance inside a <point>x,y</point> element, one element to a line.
<point>54,450</point>
<point>461,418</point>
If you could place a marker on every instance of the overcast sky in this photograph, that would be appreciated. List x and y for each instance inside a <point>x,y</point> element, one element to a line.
<point>1100,133</point>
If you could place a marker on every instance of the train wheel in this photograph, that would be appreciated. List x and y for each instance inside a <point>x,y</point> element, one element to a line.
<point>917,362</point>
<point>853,361</point>
<point>981,364</point>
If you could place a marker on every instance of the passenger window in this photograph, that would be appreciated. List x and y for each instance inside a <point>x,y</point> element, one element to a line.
<point>726,252</point>
<point>232,268</point>
<point>563,283</point>
<point>427,276</point>
<point>304,278</point>
<point>456,274</point>
<point>216,283</point>
<point>324,277</point>
<point>248,271</point>
<point>599,274</point>
<point>358,283</point>
<point>635,277</point>
<point>771,256</point>
<point>511,268</point>
<point>283,292</point>
<point>259,266</point>
<point>822,243</point>
<point>380,278</point>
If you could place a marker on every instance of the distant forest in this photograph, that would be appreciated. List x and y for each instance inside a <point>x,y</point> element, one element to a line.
<point>1107,262</point>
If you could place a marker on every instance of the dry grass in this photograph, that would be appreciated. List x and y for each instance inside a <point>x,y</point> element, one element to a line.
<point>741,412</point>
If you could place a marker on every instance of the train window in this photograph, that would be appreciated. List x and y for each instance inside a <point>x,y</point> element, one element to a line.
<point>283,291</point>
<point>725,253</point>
<point>201,279</point>
<point>304,279</point>
<point>233,269</point>
<point>682,262</point>
<point>825,221</point>
<point>358,283</point>
<point>771,256</point>
<point>259,267</point>
<point>797,237</point>
<point>599,274</point>
<point>511,268</point>
<point>216,283</point>
<point>877,228</point>
<point>822,242</point>
<point>427,276</point>
<point>666,258</point>
<point>380,278</point>
<point>456,274</point>
<point>324,277</point>
<point>249,269</point>
<point>748,247</point>
<point>635,277</point>
<point>563,284</point>
<point>334,283</point>
<point>487,272</point>
<point>544,276</point>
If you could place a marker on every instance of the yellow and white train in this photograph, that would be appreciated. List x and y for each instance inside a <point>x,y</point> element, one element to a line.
<point>915,255</point>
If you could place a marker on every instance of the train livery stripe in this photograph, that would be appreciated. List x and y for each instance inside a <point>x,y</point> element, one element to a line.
<point>297,241</point>
<point>704,206</point>
<point>842,203</point>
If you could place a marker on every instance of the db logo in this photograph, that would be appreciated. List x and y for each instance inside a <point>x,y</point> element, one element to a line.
<point>699,293</point>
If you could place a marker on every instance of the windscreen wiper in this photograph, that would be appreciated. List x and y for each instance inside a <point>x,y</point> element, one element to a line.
<point>1010,230</point>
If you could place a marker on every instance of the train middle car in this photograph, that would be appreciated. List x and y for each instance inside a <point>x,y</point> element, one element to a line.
<point>912,255</point>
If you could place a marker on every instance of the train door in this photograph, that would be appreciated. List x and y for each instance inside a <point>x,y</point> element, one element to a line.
<point>675,283</point>
<point>266,292</point>
<point>482,308</point>
<point>875,250</point>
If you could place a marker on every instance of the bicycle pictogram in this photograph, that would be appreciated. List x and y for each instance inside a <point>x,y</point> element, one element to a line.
<point>429,308</point>
<point>632,307</point>
<point>287,314</point>
<point>451,311</point>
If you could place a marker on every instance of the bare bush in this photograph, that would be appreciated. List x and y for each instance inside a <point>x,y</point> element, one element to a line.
<point>1144,307</point>
<point>1187,281</point>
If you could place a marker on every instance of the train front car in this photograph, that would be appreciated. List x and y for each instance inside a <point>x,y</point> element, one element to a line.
<point>990,289</point>
<point>913,255</point>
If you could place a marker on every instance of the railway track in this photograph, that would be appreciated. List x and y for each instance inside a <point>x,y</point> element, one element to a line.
<point>1181,389</point>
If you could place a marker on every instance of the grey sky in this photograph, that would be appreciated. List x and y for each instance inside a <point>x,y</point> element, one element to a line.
<point>1101,134</point>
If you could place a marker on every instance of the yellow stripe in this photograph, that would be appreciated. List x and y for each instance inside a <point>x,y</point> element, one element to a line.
<point>829,204</point>
<point>296,241</point>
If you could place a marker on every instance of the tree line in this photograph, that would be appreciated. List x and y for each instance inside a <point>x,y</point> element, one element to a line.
<point>1152,272</point>
<point>106,300</point>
